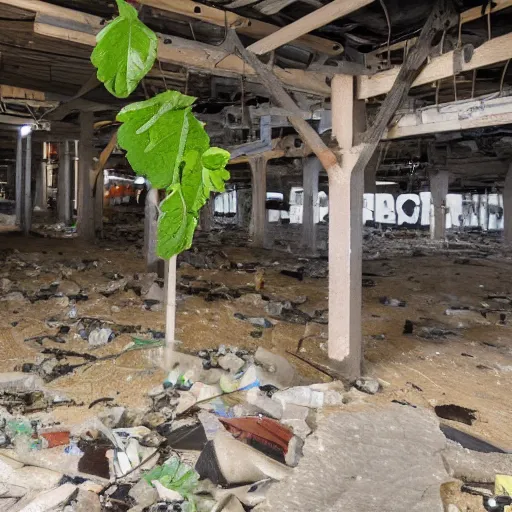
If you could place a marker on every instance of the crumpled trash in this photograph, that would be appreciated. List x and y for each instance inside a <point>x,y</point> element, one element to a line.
<point>395,303</point>
<point>100,336</point>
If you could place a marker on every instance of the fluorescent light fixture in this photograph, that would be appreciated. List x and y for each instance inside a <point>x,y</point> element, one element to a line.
<point>25,130</point>
<point>382,183</point>
<point>139,180</point>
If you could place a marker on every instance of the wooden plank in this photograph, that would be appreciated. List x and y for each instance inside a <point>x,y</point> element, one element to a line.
<point>456,116</point>
<point>306,24</point>
<point>191,54</point>
<point>470,15</point>
<point>491,52</point>
<point>255,29</point>
<point>10,92</point>
<point>283,99</point>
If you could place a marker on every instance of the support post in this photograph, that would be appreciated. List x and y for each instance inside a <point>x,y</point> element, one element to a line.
<point>507,206</point>
<point>27,179</point>
<point>439,190</point>
<point>207,214</point>
<point>85,220</point>
<point>19,180</point>
<point>345,237</point>
<point>150,229</point>
<point>64,184</point>
<point>99,195</point>
<point>243,207</point>
<point>310,173</point>
<point>170,302</point>
<point>258,166</point>
<point>41,180</point>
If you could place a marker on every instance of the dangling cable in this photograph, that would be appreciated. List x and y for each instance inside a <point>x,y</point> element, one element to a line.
<point>386,13</point>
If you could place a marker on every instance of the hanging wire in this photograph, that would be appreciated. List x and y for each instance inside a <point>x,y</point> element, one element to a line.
<point>489,29</point>
<point>502,81</point>
<point>386,13</point>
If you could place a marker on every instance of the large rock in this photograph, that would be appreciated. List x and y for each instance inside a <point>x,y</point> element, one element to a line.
<point>376,461</point>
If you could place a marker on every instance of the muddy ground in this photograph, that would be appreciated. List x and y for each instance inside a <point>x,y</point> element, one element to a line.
<point>462,358</point>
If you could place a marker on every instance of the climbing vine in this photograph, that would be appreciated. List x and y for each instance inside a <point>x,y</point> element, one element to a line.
<point>163,140</point>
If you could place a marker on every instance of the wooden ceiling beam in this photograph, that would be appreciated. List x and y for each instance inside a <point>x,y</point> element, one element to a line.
<point>77,28</point>
<point>455,116</point>
<point>254,29</point>
<point>491,52</point>
<point>306,24</point>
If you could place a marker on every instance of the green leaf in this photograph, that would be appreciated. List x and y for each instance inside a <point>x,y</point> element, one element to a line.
<point>214,169</point>
<point>125,52</point>
<point>155,134</point>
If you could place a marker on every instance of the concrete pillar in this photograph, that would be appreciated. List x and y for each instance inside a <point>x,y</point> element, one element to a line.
<point>64,209</point>
<point>150,229</point>
<point>370,173</point>
<point>243,207</point>
<point>27,186</point>
<point>19,180</point>
<point>507,206</point>
<point>310,173</point>
<point>439,189</point>
<point>41,193</point>
<point>345,237</point>
<point>259,198</point>
<point>85,218</point>
<point>99,193</point>
<point>207,214</point>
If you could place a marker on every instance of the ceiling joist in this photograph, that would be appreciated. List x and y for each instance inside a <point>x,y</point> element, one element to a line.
<point>491,52</point>
<point>74,27</point>
<point>316,19</point>
<point>254,29</point>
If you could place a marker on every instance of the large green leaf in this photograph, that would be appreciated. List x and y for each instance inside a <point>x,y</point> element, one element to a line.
<point>155,134</point>
<point>168,145</point>
<point>125,52</point>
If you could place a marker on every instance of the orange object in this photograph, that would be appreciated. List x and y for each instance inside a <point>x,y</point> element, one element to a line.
<point>58,438</point>
<point>263,431</point>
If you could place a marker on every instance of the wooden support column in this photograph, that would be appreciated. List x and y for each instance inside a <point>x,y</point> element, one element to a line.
<point>85,219</point>
<point>207,214</point>
<point>258,166</point>
<point>64,210</point>
<point>507,206</point>
<point>19,180</point>
<point>243,207</point>
<point>41,179</point>
<point>346,189</point>
<point>310,173</point>
<point>150,229</point>
<point>439,190</point>
<point>27,186</point>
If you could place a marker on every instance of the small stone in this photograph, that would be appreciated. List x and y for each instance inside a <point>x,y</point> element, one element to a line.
<point>143,493</point>
<point>294,453</point>
<point>13,297</point>
<point>265,404</point>
<point>5,285</point>
<point>61,302</point>
<point>153,420</point>
<point>274,308</point>
<point>99,337</point>
<point>69,288</point>
<point>112,417</point>
<point>154,293</point>
<point>186,401</point>
<point>231,363</point>
<point>115,309</point>
<point>87,502</point>
<point>452,508</point>
<point>152,440</point>
<point>367,385</point>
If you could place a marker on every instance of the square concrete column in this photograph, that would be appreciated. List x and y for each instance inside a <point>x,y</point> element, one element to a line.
<point>41,194</point>
<point>439,189</point>
<point>310,173</point>
<point>85,218</point>
<point>243,207</point>
<point>19,180</point>
<point>258,166</point>
<point>345,237</point>
<point>64,209</point>
<point>507,207</point>
<point>26,224</point>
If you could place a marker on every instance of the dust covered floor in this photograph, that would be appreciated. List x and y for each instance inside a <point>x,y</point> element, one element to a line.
<point>462,358</point>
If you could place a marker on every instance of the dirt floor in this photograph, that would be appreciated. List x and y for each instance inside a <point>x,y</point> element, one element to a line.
<point>461,358</point>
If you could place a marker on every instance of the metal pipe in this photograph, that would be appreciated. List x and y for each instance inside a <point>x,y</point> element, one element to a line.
<point>19,179</point>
